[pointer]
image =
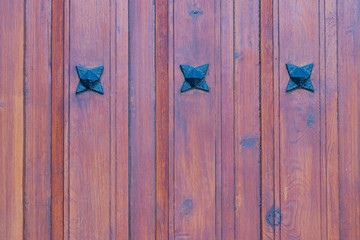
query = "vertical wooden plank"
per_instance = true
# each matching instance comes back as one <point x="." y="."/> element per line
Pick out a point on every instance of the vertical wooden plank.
<point x="11" y="118"/>
<point x="121" y="114"/>
<point x="299" y="123"/>
<point x="89" y="119"/>
<point x="37" y="179"/>
<point x="57" y="120"/>
<point x="331" y="115"/>
<point x="349" y="116"/>
<point x="247" y="120"/>
<point x="142" y="119"/>
<point x="267" y="117"/>
<point x="194" y="126"/>
<point x="227" y="119"/>
<point x="162" y="120"/>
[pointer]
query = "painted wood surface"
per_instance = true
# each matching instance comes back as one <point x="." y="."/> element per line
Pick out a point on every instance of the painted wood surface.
<point x="144" y="161"/>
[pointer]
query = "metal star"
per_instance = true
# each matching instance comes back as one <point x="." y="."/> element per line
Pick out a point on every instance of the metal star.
<point x="194" y="77"/>
<point x="299" y="77"/>
<point x="89" y="79"/>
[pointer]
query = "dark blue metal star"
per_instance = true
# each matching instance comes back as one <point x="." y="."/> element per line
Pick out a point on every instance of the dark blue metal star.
<point x="194" y="77"/>
<point x="299" y="77"/>
<point x="89" y="79"/>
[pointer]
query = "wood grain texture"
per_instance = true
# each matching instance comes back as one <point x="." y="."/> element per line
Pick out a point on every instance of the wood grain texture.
<point x="37" y="169"/>
<point x="331" y="120"/>
<point x="349" y="116"/>
<point x="11" y="119"/>
<point x="142" y="119"/>
<point x="57" y="120"/>
<point x="299" y="123"/>
<point x="227" y="121"/>
<point x="247" y="120"/>
<point x="194" y="126"/>
<point x="120" y="110"/>
<point x="162" y="120"/>
<point x="89" y="123"/>
<point x="267" y="117"/>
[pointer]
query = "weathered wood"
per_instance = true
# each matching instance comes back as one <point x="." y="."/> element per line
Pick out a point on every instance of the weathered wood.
<point x="194" y="122"/>
<point x="11" y="119"/>
<point x="120" y="119"/>
<point x="247" y="120"/>
<point x="142" y="119"/>
<point x="267" y="117"/>
<point x="349" y="117"/>
<point x="89" y="123"/>
<point x="299" y="123"/>
<point x="227" y="121"/>
<point x="57" y="120"/>
<point x="162" y="120"/>
<point x="37" y="169"/>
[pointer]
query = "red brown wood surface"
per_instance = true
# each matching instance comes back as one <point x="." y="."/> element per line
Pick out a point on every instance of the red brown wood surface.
<point x="349" y="116"/>
<point x="267" y="117"/>
<point x="162" y="120"/>
<point x="120" y="110"/>
<point x="89" y="123"/>
<point x="37" y="169"/>
<point x="227" y="121"/>
<point x="299" y="123"/>
<point x="247" y="120"/>
<point x="57" y="120"/>
<point x="331" y="120"/>
<point x="11" y="119"/>
<point x="194" y="125"/>
<point x="142" y="119"/>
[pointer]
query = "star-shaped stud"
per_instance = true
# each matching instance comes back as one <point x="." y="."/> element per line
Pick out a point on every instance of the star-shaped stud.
<point x="89" y="79"/>
<point x="299" y="77"/>
<point x="194" y="77"/>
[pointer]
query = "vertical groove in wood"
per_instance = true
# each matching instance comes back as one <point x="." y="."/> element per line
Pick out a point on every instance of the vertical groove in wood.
<point x="276" y="99"/>
<point x="121" y="114"/>
<point x="267" y="116"/>
<point x="218" y="117"/>
<point x="322" y="114"/>
<point x="247" y="120"/>
<point x="227" y="119"/>
<point x="11" y="119"/>
<point x="162" y="120"/>
<point x="300" y="123"/>
<point x="171" y="138"/>
<point x="331" y="120"/>
<point x="349" y="117"/>
<point x="57" y="120"/>
<point x="37" y="182"/>
<point x="142" y="119"/>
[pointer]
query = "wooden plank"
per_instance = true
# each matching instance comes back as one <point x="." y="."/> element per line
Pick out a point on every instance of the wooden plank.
<point x="227" y="119"/>
<point x="267" y="117"/>
<point x="247" y="120"/>
<point x="142" y="119"/>
<point x="120" y="109"/>
<point x="349" y="116"/>
<point x="11" y="118"/>
<point x="89" y="119"/>
<point x="37" y="178"/>
<point x="57" y="120"/>
<point x="331" y="120"/>
<point x="194" y="126"/>
<point x="299" y="123"/>
<point x="162" y="120"/>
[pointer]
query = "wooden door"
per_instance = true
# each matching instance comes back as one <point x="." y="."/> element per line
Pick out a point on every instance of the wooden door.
<point x="245" y="160"/>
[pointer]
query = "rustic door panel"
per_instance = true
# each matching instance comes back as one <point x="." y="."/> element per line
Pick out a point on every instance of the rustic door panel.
<point x="246" y="160"/>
